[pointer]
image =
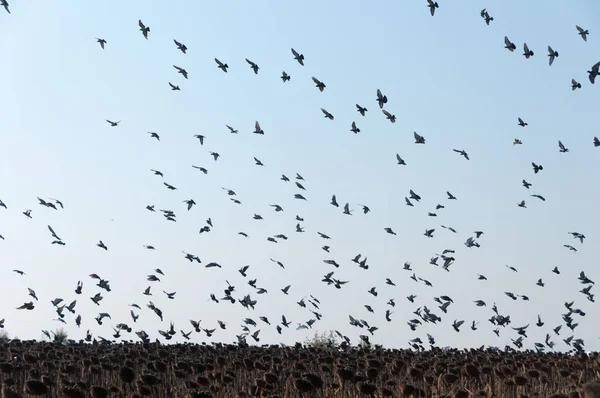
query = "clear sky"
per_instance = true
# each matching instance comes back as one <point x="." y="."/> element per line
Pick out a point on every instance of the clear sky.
<point x="448" y="77"/>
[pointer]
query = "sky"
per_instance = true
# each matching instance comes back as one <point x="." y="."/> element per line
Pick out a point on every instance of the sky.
<point x="447" y="77"/>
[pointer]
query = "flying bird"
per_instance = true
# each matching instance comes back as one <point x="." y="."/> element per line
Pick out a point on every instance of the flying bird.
<point x="510" y="46"/>
<point x="432" y="6"/>
<point x="180" y="46"/>
<point x="594" y="72"/>
<point x="221" y="65"/>
<point x="253" y="66"/>
<point x="327" y="114"/>
<point x="181" y="70"/>
<point x="298" y="57"/>
<point x="552" y="55"/>
<point x="285" y="77"/>
<point x="582" y="32"/>
<point x="144" y="29"/>
<point x="527" y="52"/>
<point x="101" y="41"/>
<point x="319" y="84"/>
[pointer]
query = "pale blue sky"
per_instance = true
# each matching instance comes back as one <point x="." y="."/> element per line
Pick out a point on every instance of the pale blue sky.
<point x="447" y="77"/>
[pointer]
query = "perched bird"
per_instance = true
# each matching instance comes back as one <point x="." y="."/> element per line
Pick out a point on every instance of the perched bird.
<point x="143" y="29"/>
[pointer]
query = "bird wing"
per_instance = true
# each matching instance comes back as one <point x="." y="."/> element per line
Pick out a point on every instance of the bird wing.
<point x="257" y="126"/>
<point x="525" y="47"/>
<point x="295" y="53"/>
<point x="506" y="41"/>
<point x="579" y="28"/>
<point x="141" y="24"/>
<point x="218" y="62"/>
<point x="560" y="145"/>
<point x="386" y="113"/>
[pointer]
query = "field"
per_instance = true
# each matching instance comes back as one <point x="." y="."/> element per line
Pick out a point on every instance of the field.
<point x="133" y="370"/>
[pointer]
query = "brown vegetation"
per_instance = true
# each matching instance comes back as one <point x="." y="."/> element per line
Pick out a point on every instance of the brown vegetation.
<point x="101" y="370"/>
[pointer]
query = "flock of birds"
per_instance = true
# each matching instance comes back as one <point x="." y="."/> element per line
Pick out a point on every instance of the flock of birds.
<point x="250" y="326"/>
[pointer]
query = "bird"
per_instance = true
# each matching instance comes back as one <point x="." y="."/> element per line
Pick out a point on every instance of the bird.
<point x="527" y="52"/>
<point x="154" y="135"/>
<point x="327" y="114"/>
<point x="389" y="116"/>
<point x="510" y="46"/>
<point x="594" y="72"/>
<point x="432" y="6"/>
<point x="419" y="139"/>
<point x="253" y="66"/>
<point x="562" y="148"/>
<point x="354" y="129"/>
<point x="257" y="129"/>
<point x="298" y="57"/>
<point x="575" y="85"/>
<point x="319" y="84"/>
<point x="521" y="122"/>
<point x="181" y="71"/>
<point x="143" y="29"/>
<point x="285" y="77"/>
<point x="537" y="168"/>
<point x="400" y="160"/>
<point x="113" y="124"/>
<point x="200" y="138"/>
<point x="486" y="16"/>
<point x="552" y="55"/>
<point x="582" y="32"/>
<point x="596" y="142"/>
<point x="381" y="100"/>
<point x="221" y="65"/>
<point x="101" y="41"/>
<point x="180" y="46"/>
<point x="462" y="153"/>
<point x="174" y="87"/>
<point x="362" y="110"/>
